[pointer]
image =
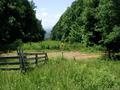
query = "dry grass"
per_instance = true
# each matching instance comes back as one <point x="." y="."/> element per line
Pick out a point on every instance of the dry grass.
<point x="72" y="55"/>
<point x="66" y="54"/>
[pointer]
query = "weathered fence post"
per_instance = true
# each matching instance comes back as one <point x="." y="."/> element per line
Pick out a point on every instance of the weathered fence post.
<point x="46" y="57"/>
<point x="62" y="55"/>
<point x="21" y="59"/>
<point x="74" y="58"/>
<point x="36" y="59"/>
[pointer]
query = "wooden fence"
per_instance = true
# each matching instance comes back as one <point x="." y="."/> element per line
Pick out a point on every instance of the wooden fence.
<point x="22" y="60"/>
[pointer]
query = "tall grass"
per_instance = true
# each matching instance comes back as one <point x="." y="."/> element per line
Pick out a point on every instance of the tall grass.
<point x="62" y="74"/>
<point x="56" y="45"/>
<point x="45" y="45"/>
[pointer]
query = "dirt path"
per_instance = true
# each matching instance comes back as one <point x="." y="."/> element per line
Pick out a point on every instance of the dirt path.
<point x="73" y="55"/>
<point x="69" y="55"/>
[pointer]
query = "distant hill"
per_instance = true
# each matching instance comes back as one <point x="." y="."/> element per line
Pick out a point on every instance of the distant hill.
<point x="48" y="34"/>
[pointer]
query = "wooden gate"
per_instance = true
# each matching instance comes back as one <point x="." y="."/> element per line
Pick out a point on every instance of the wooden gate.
<point x="21" y="60"/>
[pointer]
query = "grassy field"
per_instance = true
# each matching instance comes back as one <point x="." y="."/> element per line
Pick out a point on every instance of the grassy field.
<point x="62" y="74"/>
<point x="65" y="74"/>
<point x="56" y="45"/>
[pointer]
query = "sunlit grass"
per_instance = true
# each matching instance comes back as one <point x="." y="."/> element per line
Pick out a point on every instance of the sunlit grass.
<point x="62" y="74"/>
<point x="55" y="45"/>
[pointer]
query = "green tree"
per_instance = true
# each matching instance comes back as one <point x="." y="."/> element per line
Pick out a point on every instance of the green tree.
<point x="18" y="21"/>
<point x="108" y="15"/>
<point x="91" y="22"/>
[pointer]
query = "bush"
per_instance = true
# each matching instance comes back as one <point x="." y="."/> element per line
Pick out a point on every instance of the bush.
<point x="12" y="46"/>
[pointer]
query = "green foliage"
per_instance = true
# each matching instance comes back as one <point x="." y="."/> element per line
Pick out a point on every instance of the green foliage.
<point x="44" y="45"/>
<point x="15" y="45"/>
<point x="91" y="22"/>
<point x="77" y="23"/>
<point x="18" y="21"/>
<point x="56" y="46"/>
<point x="11" y="46"/>
<point x="108" y="24"/>
<point x="65" y="75"/>
<point x="112" y="42"/>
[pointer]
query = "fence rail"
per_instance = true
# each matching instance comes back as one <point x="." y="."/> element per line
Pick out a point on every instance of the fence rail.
<point x="9" y="68"/>
<point x="9" y="57"/>
<point x="22" y="60"/>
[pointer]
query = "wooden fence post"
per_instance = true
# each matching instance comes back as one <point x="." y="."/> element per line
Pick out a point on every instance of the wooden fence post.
<point x="46" y="57"/>
<point x="62" y="55"/>
<point x="36" y="59"/>
<point x="21" y="60"/>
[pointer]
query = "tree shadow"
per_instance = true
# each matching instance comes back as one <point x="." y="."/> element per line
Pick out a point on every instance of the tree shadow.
<point x="112" y="57"/>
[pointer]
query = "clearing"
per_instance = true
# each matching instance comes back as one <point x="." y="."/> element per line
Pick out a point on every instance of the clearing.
<point x="72" y="55"/>
<point x="66" y="54"/>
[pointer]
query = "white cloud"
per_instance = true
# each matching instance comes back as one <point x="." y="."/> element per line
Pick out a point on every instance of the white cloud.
<point x="44" y="14"/>
<point x="48" y="19"/>
<point x="43" y="9"/>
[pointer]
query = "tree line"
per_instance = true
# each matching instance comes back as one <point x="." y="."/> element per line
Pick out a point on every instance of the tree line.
<point x="91" y="22"/>
<point x="18" y="21"/>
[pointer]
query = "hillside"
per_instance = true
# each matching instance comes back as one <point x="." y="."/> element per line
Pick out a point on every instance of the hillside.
<point x="47" y="34"/>
<point x="90" y="22"/>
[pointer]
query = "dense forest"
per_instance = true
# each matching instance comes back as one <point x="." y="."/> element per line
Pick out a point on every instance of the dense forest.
<point x="18" y="22"/>
<point x="91" y="22"/>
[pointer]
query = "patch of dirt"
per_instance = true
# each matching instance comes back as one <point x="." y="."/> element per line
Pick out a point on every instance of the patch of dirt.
<point x="69" y="55"/>
<point x="72" y="55"/>
<point x="9" y="54"/>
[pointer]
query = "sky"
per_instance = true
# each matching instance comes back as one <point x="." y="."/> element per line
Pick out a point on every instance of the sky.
<point x="49" y="11"/>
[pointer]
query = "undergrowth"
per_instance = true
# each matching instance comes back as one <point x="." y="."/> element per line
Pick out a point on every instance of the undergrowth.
<point x="56" y="45"/>
<point x="62" y="74"/>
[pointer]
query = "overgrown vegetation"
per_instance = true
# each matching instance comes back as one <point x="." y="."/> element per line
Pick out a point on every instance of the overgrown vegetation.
<point x="11" y="46"/>
<point x="65" y="74"/>
<point x="18" y="21"/>
<point x="56" y="45"/>
<point x="91" y="22"/>
<point x="88" y="26"/>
